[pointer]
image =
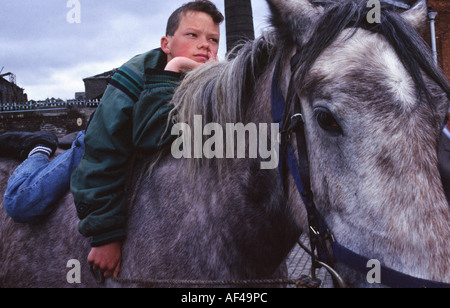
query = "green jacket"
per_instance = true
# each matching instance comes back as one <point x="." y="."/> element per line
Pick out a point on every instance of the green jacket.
<point x="132" y="115"/>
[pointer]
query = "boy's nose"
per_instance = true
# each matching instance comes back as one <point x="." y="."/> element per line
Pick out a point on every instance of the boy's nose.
<point x="203" y="44"/>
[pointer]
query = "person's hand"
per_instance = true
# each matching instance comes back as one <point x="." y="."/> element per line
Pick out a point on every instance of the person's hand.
<point x="212" y="57"/>
<point x="106" y="259"/>
<point x="184" y="64"/>
<point x="181" y="65"/>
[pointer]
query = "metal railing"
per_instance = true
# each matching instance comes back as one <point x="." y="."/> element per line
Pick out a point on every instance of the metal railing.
<point x="49" y="105"/>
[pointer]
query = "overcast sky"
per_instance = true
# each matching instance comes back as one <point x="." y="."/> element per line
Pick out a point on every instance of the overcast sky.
<point x="51" y="56"/>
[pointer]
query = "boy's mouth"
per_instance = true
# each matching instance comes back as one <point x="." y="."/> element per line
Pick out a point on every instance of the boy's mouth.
<point x="201" y="58"/>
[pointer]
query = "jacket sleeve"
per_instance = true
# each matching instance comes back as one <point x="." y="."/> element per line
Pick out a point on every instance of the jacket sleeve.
<point x="119" y="126"/>
<point x="151" y="126"/>
<point x="98" y="183"/>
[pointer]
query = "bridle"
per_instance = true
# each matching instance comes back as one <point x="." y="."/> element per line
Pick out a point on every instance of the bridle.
<point x="325" y="250"/>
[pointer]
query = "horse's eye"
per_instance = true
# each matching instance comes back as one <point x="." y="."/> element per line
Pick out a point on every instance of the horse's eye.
<point x="327" y="121"/>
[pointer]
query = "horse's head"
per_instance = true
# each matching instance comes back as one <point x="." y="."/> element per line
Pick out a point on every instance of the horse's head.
<point x="373" y="105"/>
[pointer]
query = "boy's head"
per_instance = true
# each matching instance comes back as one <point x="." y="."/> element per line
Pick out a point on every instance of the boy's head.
<point x="204" y="6"/>
<point x="193" y="31"/>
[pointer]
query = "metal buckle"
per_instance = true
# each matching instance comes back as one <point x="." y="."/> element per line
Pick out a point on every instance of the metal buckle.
<point x="298" y="115"/>
<point x="297" y="121"/>
<point x="317" y="233"/>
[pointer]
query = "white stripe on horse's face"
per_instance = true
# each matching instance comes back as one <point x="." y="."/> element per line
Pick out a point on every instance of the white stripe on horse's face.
<point x="345" y="56"/>
<point x="400" y="82"/>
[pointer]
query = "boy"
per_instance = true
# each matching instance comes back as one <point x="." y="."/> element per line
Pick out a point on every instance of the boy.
<point x="132" y="116"/>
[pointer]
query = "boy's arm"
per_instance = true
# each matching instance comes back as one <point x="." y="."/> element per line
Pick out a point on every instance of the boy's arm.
<point x="150" y="114"/>
<point x="99" y="181"/>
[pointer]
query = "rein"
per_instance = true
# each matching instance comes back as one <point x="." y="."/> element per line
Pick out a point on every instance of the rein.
<point x="319" y="234"/>
<point x="321" y="237"/>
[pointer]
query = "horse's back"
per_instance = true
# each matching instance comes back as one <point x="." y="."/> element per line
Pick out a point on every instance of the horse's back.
<point x="177" y="228"/>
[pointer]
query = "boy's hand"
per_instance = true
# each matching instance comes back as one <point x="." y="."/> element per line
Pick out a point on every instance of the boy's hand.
<point x="212" y="57"/>
<point x="184" y="65"/>
<point x="106" y="258"/>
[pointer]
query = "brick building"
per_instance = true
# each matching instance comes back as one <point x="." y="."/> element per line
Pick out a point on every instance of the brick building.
<point x="442" y="25"/>
<point x="10" y="92"/>
<point x="96" y="85"/>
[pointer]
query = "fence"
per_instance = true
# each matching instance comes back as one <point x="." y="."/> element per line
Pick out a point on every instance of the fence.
<point x="47" y="105"/>
<point x="59" y="116"/>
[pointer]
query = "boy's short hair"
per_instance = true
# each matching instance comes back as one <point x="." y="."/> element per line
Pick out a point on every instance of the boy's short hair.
<point x="204" y="6"/>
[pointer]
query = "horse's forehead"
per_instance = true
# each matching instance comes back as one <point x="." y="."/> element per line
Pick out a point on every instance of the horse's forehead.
<point x="364" y="59"/>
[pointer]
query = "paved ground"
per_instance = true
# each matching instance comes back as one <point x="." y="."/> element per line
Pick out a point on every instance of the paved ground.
<point x="299" y="263"/>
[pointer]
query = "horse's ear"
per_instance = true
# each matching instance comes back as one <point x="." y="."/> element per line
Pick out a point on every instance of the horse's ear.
<point x="417" y="15"/>
<point x="294" y="19"/>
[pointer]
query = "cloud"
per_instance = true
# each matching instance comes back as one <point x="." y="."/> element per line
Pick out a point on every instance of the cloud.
<point x="51" y="56"/>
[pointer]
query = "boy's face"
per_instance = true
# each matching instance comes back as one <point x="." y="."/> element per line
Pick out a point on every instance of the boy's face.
<point x="196" y="36"/>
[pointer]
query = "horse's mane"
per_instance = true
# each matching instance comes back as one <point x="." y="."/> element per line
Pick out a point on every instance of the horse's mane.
<point x="412" y="50"/>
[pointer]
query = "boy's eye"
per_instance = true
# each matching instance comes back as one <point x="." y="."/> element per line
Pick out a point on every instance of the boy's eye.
<point x="192" y="34"/>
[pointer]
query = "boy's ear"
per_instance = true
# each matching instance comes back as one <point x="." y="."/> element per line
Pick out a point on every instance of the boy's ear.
<point x="165" y="45"/>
